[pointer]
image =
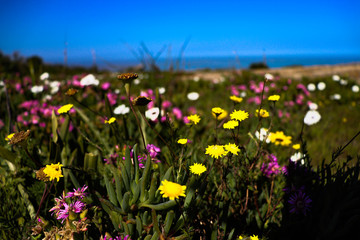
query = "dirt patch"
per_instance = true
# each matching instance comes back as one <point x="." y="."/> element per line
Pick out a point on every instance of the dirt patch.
<point x="350" y="71"/>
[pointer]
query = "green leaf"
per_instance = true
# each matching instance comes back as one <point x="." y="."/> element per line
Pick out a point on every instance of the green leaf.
<point x="54" y="126"/>
<point x="139" y="226"/>
<point x="125" y="202"/>
<point x="160" y="206"/>
<point x="8" y="155"/>
<point x="168" y="221"/>
<point x="73" y="179"/>
<point x="110" y="191"/>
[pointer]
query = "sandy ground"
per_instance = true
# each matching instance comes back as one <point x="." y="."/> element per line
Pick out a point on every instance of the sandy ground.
<point x="349" y="71"/>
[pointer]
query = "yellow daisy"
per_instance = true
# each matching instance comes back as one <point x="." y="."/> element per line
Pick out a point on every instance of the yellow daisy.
<point x="182" y="141"/>
<point x="296" y="146"/>
<point x="279" y="138"/>
<point x="172" y="190"/>
<point x="263" y="113"/>
<point x="231" y="124"/>
<point x="110" y="121"/>
<point x="239" y="115"/>
<point x="53" y="171"/>
<point x="194" y="118"/>
<point x="231" y="147"/>
<point x="274" y="98"/>
<point x="236" y="99"/>
<point x="9" y="137"/>
<point x="66" y="108"/>
<point x="219" y="113"/>
<point x="197" y="168"/>
<point x="215" y="151"/>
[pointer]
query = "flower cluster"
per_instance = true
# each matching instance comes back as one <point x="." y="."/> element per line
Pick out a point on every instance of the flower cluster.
<point x="63" y="209"/>
<point x="217" y="151"/>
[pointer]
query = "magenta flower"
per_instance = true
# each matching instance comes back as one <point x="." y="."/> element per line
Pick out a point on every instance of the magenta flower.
<point x="77" y="206"/>
<point x="79" y="193"/>
<point x="271" y="168"/>
<point x="177" y="112"/>
<point x="63" y="213"/>
<point x="153" y="150"/>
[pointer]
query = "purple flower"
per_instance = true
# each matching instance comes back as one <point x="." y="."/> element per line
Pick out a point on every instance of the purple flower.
<point x="153" y="150"/>
<point x="78" y="193"/>
<point x="77" y="206"/>
<point x="271" y="168"/>
<point x="127" y="237"/>
<point x="299" y="203"/>
<point x="63" y="213"/>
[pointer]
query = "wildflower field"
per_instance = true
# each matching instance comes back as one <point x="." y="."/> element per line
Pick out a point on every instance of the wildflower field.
<point x="162" y="155"/>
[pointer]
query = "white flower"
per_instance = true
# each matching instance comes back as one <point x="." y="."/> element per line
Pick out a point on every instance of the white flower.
<point x="196" y="78"/>
<point x="47" y="97"/>
<point x="336" y="96"/>
<point x="243" y="94"/>
<point x="193" y="96"/>
<point x="117" y="91"/>
<point x="311" y="87"/>
<point x="343" y="82"/>
<point x="312" y="117"/>
<point x="355" y="88"/>
<point x="336" y="78"/>
<point x="121" y="109"/>
<point x="37" y="89"/>
<point x="44" y="76"/>
<point x="54" y="85"/>
<point x="152" y="113"/>
<point x="321" y="86"/>
<point x="268" y="76"/>
<point x="162" y="90"/>
<point x="297" y="156"/>
<point x="137" y="81"/>
<point x="89" y="80"/>
<point x="313" y="106"/>
<point x="262" y="135"/>
<point x="2" y="83"/>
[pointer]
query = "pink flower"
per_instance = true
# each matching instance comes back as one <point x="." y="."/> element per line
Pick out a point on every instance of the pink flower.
<point x="112" y="98"/>
<point x="105" y="86"/>
<point x="166" y="104"/>
<point x="177" y="112"/>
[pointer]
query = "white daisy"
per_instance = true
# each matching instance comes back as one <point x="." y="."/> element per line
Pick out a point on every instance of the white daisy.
<point x="193" y="96"/>
<point x="37" y="89"/>
<point x="262" y="135"/>
<point x="312" y="117"/>
<point x="152" y="113"/>
<point x="336" y="78"/>
<point x="89" y="80"/>
<point x="321" y="86"/>
<point x="311" y="87"/>
<point x="44" y="76"/>
<point x="355" y="88"/>
<point x="121" y="109"/>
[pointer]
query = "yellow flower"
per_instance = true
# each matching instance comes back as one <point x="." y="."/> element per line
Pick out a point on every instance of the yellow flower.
<point x="194" y="118"/>
<point x="231" y="124"/>
<point x="279" y="138"/>
<point x="53" y="171"/>
<point x="9" y="137"/>
<point x="239" y="115"/>
<point x="182" y="141"/>
<point x="215" y="151"/>
<point x="231" y="147"/>
<point x="110" y="121"/>
<point x="240" y="238"/>
<point x="263" y="113"/>
<point x="66" y="108"/>
<point x="236" y="99"/>
<point x="254" y="237"/>
<point x="296" y="146"/>
<point x="219" y="113"/>
<point x="197" y="168"/>
<point x="172" y="190"/>
<point x="274" y="98"/>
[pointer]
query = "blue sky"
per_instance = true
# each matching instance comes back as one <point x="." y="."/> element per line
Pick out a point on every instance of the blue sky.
<point x="215" y="28"/>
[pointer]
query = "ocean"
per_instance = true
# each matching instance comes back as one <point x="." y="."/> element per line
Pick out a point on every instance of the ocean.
<point x="231" y="62"/>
